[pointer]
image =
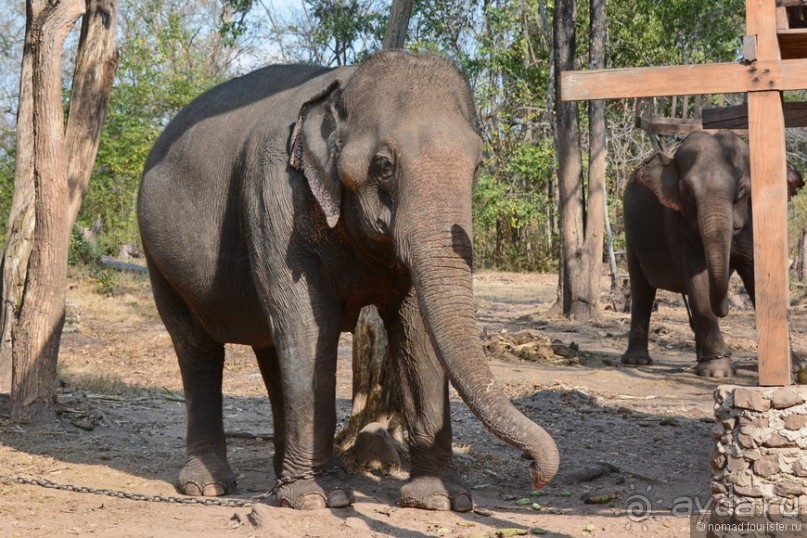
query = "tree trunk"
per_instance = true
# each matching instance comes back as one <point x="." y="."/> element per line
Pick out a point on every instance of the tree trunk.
<point x="373" y="399"/>
<point x="96" y="62"/>
<point x="595" y="222"/>
<point x="373" y="402"/>
<point x="19" y="235"/>
<point x="575" y="260"/>
<point x="35" y="259"/>
<point x="398" y="24"/>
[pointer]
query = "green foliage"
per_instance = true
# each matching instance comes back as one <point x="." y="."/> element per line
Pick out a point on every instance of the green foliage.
<point x="86" y="256"/>
<point x="513" y="222"/>
<point x="649" y="32"/>
<point x="163" y="65"/>
<point x="106" y="282"/>
<point x="446" y="26"/>
<point x="6" y="190"/>
<point x="233" y="23"/>
<point x="82" y="252"/>
<point x="348" y="29"/>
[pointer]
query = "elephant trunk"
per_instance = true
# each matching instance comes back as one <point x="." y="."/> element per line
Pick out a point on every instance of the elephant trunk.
<point x="716" y="234"/>
<point x="440" y="256"/>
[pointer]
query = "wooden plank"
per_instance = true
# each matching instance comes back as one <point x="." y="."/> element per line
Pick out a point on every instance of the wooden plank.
<point x="736" y="117"/>
<point x="760" y="20"/>
<point x="683" y="80"/>
<point x="769" y="195"/>
<point x="668" y="126"/>
<point x="793" y="43"/>
<point x="781" y="18"/>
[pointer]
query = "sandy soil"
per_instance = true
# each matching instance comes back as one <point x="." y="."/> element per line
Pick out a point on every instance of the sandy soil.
<point x="630" y="438"/>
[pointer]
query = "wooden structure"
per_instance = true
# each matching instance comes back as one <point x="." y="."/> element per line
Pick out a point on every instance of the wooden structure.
<point x="775" y="50"/>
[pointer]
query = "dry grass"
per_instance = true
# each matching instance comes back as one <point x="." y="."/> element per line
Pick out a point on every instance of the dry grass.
<point x="97" y="383"/>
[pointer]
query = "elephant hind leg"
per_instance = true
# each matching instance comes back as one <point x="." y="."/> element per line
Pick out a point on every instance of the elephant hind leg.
<point x="270" y="371"/>
<point x="201" y="363"/>
<point x="641" y="306"/>
<point x="207" y="471"/>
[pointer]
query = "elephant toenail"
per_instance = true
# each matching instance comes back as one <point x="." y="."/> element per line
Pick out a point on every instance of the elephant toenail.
<point x="191" y="488"/>
<point x="339" y="498"/>
<point x="438" y="502"/>
<point x="214" y="489"/>
<point x="462" y="503"/>
<point x="312" y="501"/>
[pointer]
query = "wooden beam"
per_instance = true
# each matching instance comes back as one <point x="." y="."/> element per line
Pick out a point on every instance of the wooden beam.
<point x="791" y="3"/>
<point x="736" y="117"/>
<point x="769" y="195"/>
<point x="793" y="43"/>
<point x="668" y="126"/>
<point x="760" y="20"/>
<point x="762" y="75"/>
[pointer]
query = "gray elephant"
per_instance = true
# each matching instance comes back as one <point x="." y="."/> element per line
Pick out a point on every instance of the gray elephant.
<point x="688" y="228"/>
<point x="277" y="205"/>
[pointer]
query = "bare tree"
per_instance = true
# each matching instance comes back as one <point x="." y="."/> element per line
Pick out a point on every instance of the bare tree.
<point x="597" y="207"/>
<point x="398" y="24"/>
<point x="581" y="227"/>
<point x="53" y="165"/>
<point x="573" y="270"/>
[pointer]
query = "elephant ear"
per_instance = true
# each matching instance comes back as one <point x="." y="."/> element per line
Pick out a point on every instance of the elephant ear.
<point x="794" y="181"/>
<point x="315" y="148"/>
<point x="660" y="176"/>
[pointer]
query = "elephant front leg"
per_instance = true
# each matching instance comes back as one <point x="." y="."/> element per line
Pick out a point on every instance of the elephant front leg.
<point x="712" y="352"/>
<point x="309" y="474"/>
<point x="641" y="305"/>
<point x="434" y="482"/>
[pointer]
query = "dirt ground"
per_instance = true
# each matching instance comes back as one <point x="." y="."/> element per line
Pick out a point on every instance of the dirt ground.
<point x="632" y="440"/>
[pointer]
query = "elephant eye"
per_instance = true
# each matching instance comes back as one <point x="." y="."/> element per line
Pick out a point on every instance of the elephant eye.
<point x="382" y="169"/>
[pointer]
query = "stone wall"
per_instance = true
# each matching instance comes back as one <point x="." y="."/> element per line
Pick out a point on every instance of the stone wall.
<point x="759" y="465"/>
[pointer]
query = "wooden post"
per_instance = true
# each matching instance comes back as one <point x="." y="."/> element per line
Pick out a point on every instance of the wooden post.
<point x="766" y="127"/>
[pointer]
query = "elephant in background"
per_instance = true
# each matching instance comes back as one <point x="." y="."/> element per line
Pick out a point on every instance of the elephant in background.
<point x="688" y="227"/>
<point x="277" y="205"/>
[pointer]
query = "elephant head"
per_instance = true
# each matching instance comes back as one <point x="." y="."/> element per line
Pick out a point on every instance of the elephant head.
<point x="393" y="151"/>
<point x="708" y="183"/>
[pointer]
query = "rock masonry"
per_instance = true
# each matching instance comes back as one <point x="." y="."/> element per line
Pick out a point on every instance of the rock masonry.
<point x="759" y="464"/>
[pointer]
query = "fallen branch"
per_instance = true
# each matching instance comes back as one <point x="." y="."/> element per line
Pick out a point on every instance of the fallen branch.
<point x="106" y="261"/>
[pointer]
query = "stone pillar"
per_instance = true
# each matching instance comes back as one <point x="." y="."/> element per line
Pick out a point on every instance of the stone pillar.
<point x="759" y="465"/>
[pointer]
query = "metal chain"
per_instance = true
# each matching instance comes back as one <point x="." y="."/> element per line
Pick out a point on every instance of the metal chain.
<point x="725" y="355"/>
<point x="230" y="503"/>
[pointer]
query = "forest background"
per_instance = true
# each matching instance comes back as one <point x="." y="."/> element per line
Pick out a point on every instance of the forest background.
<point x="173" y="50"/>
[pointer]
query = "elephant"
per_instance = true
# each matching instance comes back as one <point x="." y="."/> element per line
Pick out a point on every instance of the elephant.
<point x="688" y="227"/>
<point x="278" y="204"/>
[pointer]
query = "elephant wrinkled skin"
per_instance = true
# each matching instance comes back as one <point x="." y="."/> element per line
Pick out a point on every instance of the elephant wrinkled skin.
<point x="272" y="209"/>
<point x="688" y="228"/>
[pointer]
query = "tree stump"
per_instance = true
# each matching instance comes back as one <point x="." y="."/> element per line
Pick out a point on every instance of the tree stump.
<point x="376" y="422"/>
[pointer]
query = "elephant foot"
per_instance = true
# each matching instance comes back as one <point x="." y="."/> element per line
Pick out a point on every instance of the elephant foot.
<point x="207" y="475"/>
<point x="436" y="493"/>
<point x="315" y="493"/>
<point x="636" y="358"/>
<point x="717" y="367"/>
